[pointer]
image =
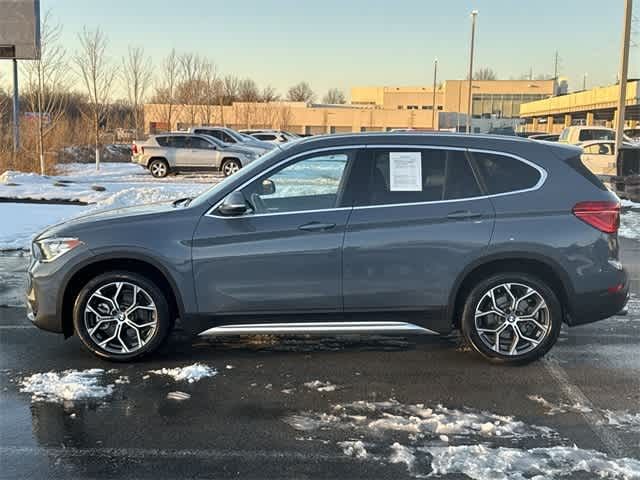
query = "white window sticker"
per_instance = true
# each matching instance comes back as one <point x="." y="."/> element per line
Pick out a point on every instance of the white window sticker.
<point x="405" y="172"/>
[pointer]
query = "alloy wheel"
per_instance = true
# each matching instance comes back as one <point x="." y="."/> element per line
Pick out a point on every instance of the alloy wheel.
<point x="158" y="169"/>
<point x="120" y="317"/>
<point x="230" y="168"/>
<point x="512" y="319"/>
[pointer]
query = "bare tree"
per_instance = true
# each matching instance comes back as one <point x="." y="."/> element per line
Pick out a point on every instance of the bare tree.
<point x="301" y="92"/>
<point x="191" y="85"/>
<point x="47" y="81"/>
<point x="269" y="94"/>
<point x="334" y="96"/>
<point x="231" y="85"/>
<point x="484" y="73"/>
<point x="210" y="90"/>
<point x="165" y="91"/>
<point x="97" y="74"/>
<point x="136" y="76"/>
<point x="248" y="91"/>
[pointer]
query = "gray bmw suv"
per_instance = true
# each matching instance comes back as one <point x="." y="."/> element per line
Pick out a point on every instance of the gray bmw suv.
<point x="502" y="238"/>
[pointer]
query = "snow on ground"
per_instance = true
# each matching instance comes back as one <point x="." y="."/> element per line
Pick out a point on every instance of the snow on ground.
<point x="561" y="407"/>
<point x="124" y="185"/>
<point x="321" y="386"/>
<point x="191" y="373"/>
<point x="440" y="441"/>
<point x="630" y="224"/>
<point x="69" y="385"/>
<point x="21" y="221"/>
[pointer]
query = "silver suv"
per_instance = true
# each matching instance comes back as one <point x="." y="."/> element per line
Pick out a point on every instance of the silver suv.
<point x="173" y="152"/>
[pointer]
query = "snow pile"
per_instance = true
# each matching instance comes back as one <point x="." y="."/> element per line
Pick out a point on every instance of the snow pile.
<point x="561" y="407"/>
<point x="630" y="224"/>
<point x="321" y="386"/>
<point x="622" y="420"/>
<point x="178" y="396"/>
<point x="355" y="449"/>
<point x="192" y="373"/>
<point x="444" y="441"/>
<point x="483" y="463"/>
<point x="69" y="385"/>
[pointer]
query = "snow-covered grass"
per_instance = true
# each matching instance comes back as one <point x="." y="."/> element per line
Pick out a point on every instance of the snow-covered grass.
<point x="125" y="184"/>
<point x="69" y="385"/>
<point x="444" y="441"/>
<point x="191" y="373"/>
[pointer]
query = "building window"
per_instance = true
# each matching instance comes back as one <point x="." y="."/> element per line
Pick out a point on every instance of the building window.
<point x="400" y="107"/>
<point x="412" y="107"/>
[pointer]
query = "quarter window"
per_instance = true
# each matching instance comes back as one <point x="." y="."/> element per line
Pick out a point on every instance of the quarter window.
<point x="405" y="176"/>
<point x="313" y="183"/>
<point x="505" y="174"/>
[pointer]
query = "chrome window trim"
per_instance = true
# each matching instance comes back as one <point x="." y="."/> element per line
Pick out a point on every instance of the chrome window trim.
<point x="543" y="177"/>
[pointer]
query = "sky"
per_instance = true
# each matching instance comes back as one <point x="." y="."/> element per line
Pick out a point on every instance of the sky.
<point x="345" y="43"/>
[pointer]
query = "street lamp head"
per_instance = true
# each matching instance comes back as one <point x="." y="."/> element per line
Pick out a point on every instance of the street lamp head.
<point x="474" y="12"/>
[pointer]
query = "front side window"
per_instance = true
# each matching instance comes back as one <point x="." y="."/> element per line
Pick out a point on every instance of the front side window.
<point x="505" y="174"/>
<point x="428" y="175"/>
<point x="313" y="183"/>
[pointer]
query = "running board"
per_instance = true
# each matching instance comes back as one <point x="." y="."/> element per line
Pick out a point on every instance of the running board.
<point x="320" y="328"/>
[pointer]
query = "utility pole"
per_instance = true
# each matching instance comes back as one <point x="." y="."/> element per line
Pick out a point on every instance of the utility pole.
<point x="556" y="61"/>
<point x="584" y="81"/>
<point x="16" y="110"/>
<point x="435" y="79"/>
<point x="624" y="65"/>
<point x="474" y="15"/>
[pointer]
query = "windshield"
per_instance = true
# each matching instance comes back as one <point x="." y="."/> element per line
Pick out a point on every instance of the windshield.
<point x="249" y="170"/>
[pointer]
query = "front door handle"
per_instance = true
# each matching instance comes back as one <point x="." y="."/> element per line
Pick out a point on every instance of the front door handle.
<point x="315" y="226"/>
<point x="464" y="215"/>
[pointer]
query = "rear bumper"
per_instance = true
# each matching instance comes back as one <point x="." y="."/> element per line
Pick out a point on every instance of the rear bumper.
<point x="593" y="306"/>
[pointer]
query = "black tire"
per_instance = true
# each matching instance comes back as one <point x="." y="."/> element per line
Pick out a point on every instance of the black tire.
<point x="159" y="168"/>
<point x="553" y="319"/>
<point x="156" y="336"/>
<point x="230" y="166"/>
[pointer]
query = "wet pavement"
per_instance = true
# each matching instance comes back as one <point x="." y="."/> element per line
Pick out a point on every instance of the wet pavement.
<point x="257" y="419"/>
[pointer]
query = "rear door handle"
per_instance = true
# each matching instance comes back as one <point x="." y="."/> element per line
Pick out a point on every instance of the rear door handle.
<point x="315" y="226"/>
<point x="464" y="215"/>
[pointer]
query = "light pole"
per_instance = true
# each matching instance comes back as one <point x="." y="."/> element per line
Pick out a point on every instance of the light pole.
<point x="584" y="81"/>
<point x="474" y="15"/>
<point x="624" y="65"/>
<point x="433" y="109"/>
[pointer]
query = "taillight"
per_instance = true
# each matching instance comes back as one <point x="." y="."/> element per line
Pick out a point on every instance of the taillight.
<point x="134" y="148"/>
<point x="605" y="216"/>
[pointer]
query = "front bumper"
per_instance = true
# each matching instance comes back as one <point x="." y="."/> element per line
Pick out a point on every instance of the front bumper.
<point x="46" y="284"/>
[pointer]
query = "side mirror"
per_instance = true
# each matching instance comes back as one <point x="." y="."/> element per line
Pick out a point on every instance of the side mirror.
<point x="267" y="187"/>
<point x="234" y="204"/>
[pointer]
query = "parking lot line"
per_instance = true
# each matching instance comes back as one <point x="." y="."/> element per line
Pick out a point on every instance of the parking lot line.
<point x="596" y="422"/>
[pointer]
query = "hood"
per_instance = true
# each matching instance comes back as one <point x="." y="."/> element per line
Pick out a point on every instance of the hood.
<point x="70" y="227"/>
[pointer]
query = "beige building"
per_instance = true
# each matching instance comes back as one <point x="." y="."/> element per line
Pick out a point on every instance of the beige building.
<point x="371" y="109"/>
<point x="597" y="106"/>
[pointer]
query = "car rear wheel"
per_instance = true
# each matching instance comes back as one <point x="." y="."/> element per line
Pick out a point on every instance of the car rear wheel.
<point x="512" y="318"/>
<point x="121" y="316"/>
<point x="159" y="168"/>
<point x="230" y="166"/>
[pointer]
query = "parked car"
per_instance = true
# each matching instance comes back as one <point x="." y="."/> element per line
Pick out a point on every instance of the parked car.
<point x="547" y="137"/>
<point x="501" y="237"/>
<point x="577" y="134"/>
<point x="231" y="137"/>
<point x="626" y="182"/>
<point x="633" y="134"/>
<point x="271" y="136"/>
<point x="176" y="152"/>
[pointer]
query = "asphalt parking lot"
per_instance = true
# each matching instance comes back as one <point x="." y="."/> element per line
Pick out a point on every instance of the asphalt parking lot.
<point x="326" y="407"/>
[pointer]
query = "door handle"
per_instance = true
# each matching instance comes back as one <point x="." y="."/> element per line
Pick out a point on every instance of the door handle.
<point x="315" y="226"/>
<point x="464" y="215"/>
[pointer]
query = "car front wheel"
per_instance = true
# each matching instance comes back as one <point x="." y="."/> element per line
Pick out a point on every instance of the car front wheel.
<point x="512" y="318"/>
<point x="121" y="316"/>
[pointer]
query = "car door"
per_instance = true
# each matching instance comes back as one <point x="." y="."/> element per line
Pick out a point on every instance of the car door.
<point x="181" y="151"/>
<point x="418" y="221"/>
<point x="204" y="154"/>
<point x="285" y="254"/>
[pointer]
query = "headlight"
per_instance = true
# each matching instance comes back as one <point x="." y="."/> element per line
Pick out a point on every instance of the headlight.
<point x="48" y="249"/>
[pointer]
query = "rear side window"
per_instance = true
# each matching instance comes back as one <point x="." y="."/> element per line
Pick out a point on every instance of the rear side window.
<point x="503" y="174"/>
<point x="177" y="142"/>
<point x="403" y="176"/>
<point x="268" y="137"/>
<point x="586" y="135"/>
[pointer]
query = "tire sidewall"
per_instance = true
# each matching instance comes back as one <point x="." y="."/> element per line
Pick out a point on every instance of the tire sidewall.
<point x="159" y="161"/>
<point x="162" y="308"/>
<point x="468" y="317"/>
